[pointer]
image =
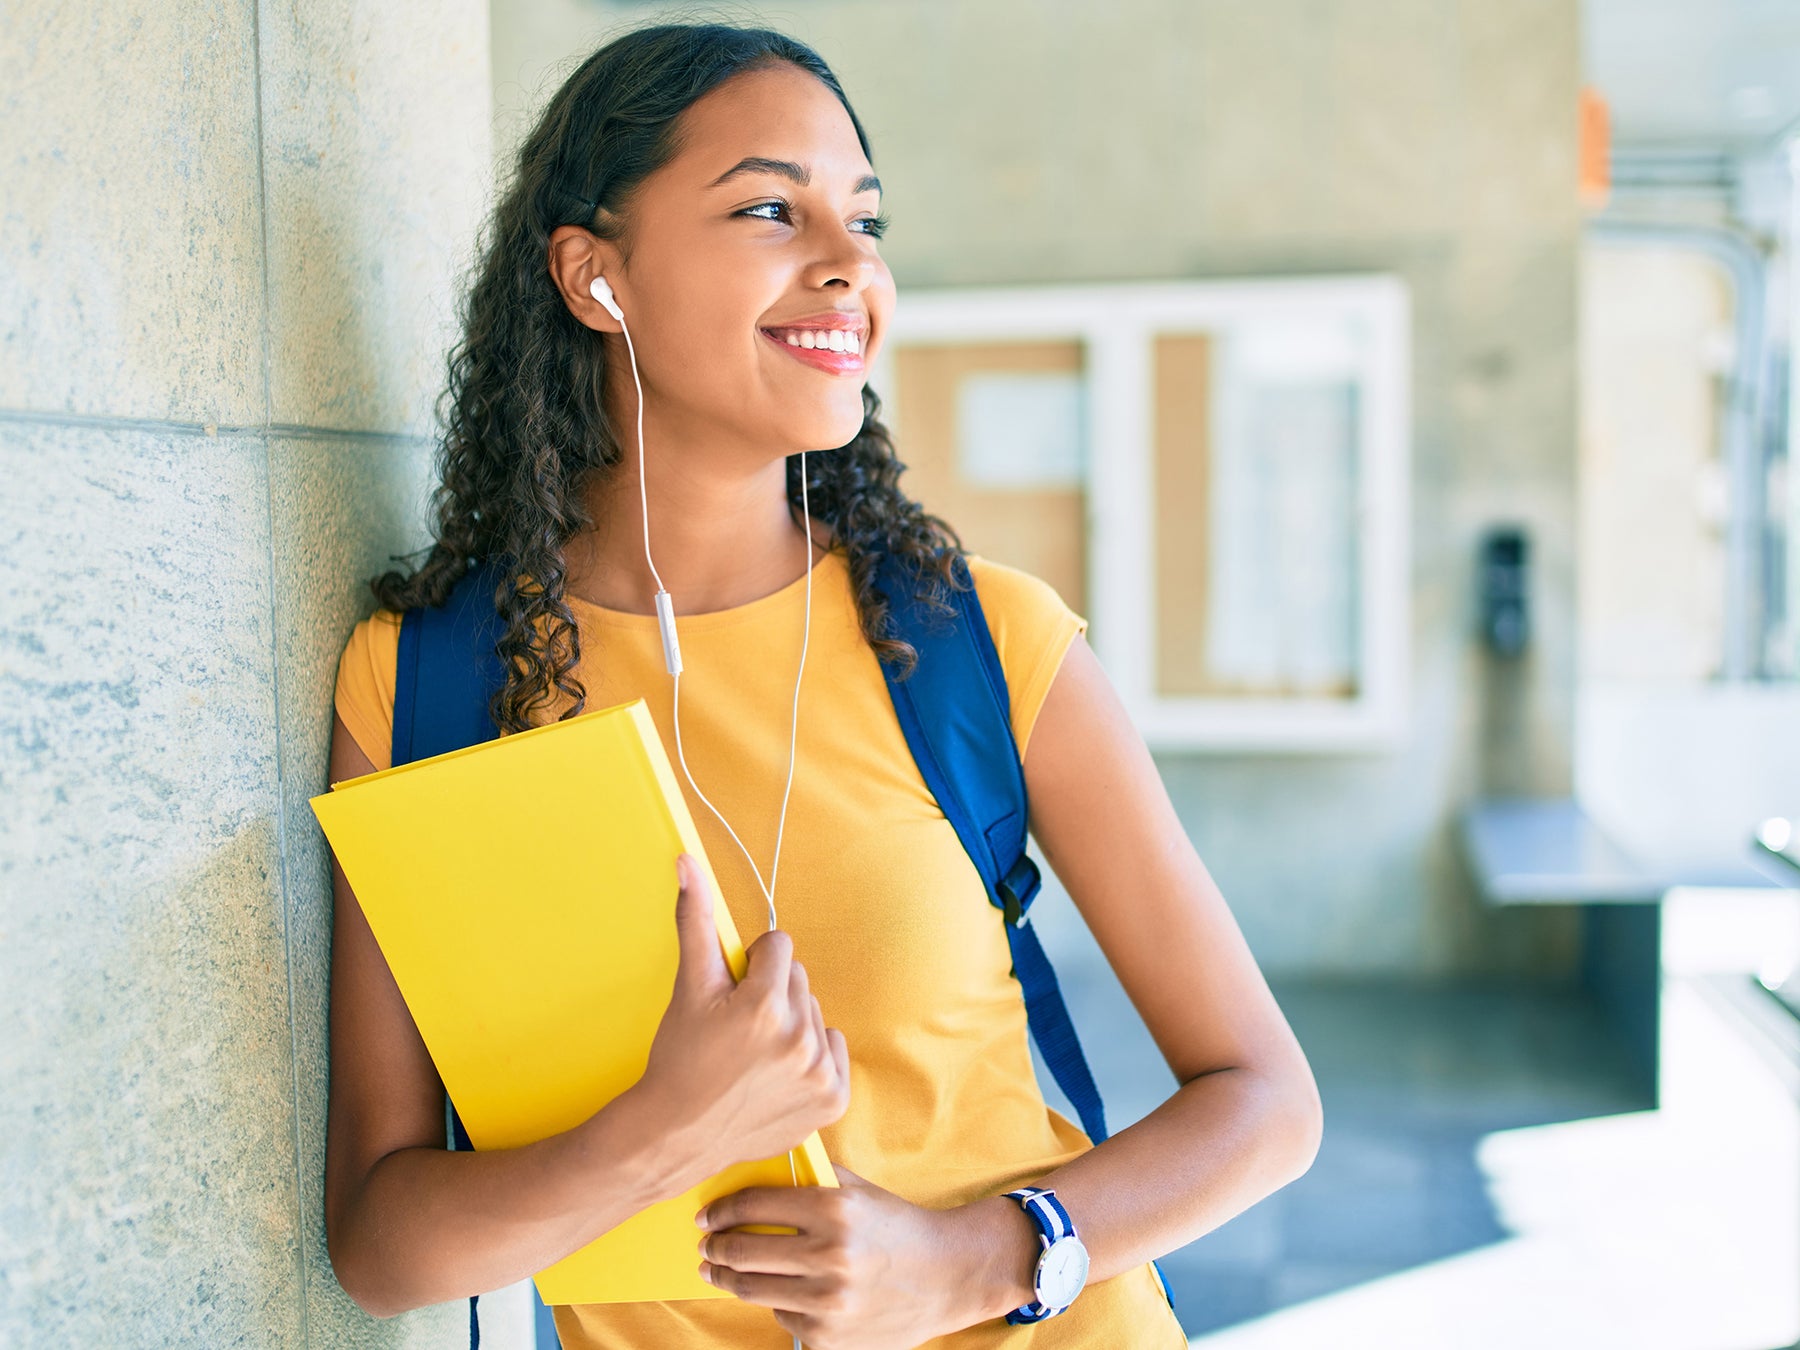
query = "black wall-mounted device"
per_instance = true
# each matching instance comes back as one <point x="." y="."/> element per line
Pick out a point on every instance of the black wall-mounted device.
<point x="1503" y="575"/>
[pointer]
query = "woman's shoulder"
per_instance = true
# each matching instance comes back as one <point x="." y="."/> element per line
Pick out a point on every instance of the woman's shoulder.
<point x="1033" y="628"/>
<point x="364" y="697"/>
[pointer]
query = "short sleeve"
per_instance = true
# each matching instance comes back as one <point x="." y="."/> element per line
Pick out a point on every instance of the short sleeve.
<point x="365" y="685"/>
<point x="1032" y="629"/>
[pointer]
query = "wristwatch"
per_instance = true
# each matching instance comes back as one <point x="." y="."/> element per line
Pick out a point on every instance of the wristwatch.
<point x="1062" y="1265"/>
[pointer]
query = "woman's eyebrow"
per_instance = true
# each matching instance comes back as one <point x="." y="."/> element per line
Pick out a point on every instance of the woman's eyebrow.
<point x="786" y="168"/>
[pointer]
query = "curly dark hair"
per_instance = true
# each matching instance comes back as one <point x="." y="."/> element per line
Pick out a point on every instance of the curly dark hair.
<point x="523" y="414"/>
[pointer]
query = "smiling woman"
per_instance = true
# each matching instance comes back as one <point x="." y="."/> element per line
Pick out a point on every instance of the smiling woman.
<point x="689" y="248"/>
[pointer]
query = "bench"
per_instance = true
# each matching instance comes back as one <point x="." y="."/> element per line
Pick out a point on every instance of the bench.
<point x="1531" y="851"/>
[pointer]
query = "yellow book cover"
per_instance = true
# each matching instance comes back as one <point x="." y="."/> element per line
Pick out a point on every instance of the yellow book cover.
<point x="523" y="892"/>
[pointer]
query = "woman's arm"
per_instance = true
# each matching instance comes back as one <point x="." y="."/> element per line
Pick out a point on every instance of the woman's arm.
<point x="1246" y="1119"/>
<point x="874" y="1270"/>
<point x="409" y="1223"/>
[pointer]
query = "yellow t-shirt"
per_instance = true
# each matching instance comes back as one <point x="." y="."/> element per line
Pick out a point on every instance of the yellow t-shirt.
<point x="901" y="946"/>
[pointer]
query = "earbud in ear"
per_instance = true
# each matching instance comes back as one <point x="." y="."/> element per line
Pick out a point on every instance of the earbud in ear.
<point x="603" y="293"/>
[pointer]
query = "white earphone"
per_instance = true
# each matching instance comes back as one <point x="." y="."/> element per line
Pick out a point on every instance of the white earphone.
<point x="665" y="622"/>
<point x="665" y="615"/>
<point x="603" y="293"/>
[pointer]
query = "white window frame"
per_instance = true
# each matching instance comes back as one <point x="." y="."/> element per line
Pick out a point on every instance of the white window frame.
<point x="1116" y="323"/>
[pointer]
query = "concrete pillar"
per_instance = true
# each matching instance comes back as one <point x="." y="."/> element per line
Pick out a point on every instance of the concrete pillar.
<point x="230" y="236"/>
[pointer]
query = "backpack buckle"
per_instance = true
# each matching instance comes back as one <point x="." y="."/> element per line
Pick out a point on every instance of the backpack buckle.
<point x="1009" y="905"/>
<point x="1017" y="888"/>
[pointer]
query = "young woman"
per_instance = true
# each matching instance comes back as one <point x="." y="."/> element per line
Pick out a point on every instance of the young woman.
<point x="717" y="180"/>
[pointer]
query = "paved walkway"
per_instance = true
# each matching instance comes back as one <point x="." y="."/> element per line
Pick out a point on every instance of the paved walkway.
<point x="1489" y="1179"/>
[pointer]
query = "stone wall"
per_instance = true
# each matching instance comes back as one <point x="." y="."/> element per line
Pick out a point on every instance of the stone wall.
<point x="229" y="239"/>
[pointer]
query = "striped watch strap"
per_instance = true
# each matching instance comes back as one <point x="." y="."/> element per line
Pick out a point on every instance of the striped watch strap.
<point x="1053" y="1222"/>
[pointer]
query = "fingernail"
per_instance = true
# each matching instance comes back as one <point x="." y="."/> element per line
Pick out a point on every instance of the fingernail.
<point x="706" y="1272"/>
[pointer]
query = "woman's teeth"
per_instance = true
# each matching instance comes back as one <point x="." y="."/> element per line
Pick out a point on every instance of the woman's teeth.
<point x="836" y="339"/>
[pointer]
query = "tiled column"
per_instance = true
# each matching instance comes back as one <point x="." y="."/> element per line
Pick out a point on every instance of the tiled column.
<point x="230" y="235"/>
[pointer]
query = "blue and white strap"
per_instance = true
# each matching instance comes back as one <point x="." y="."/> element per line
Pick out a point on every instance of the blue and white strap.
<point x="1053" y="1222"/>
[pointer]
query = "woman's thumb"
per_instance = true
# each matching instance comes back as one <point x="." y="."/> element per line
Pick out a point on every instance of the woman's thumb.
<point x="702" y="961"/>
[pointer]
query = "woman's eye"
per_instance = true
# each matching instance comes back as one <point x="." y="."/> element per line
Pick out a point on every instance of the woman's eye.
<point x="873" y="226"/>
<point x="780" y="207"/>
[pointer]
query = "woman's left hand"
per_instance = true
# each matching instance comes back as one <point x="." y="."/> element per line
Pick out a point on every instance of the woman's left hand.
<point x="867" y="1270"/>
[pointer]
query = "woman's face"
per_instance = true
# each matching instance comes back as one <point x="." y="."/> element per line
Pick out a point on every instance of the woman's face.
<point x="756" y="233"/>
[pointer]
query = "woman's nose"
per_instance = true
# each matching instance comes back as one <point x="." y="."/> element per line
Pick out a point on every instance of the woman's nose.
<point x="850" y="264"/>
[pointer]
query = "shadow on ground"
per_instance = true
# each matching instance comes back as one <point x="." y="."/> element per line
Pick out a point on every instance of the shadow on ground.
<point x="1412" y="1077"/>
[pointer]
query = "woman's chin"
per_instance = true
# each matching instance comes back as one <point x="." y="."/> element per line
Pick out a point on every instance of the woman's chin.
<point x="811" y="420"/>
<point x="826" y="433"/>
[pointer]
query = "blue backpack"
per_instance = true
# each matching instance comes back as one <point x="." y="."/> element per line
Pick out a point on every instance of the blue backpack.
<point x="954" y="710"/>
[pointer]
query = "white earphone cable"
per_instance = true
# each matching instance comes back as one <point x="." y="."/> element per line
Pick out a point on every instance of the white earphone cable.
<point x="768" y="889"/>
<point x="666" y="607"/>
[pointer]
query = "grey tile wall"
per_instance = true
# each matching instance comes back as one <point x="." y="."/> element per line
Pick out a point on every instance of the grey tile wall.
<point x="341" y="506"/>
<point x="131" y="228"/>
<point x="148" y="1177"/>
<point x="202" y="204"/>
<point x="372" y="118"/>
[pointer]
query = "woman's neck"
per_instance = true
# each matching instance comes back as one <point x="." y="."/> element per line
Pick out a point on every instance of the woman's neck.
<point x="719" y="541"/>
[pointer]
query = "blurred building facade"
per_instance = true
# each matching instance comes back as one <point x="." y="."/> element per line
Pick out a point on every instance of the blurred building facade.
<point x="1690" y="629"/>
<point x="1156" y="139"/>
<point x="231" y="241"/>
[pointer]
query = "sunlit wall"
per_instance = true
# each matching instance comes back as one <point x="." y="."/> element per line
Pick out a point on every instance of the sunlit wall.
<point x="227" y="246"/>
<point x="1148" y="139"/>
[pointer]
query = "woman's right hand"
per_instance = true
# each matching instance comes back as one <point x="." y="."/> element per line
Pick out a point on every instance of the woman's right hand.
<point x="746" y="1069"/>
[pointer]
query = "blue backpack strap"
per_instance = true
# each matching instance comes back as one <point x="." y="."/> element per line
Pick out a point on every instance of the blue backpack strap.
<point x="956" y="713"/>
<point x="447" y="670"/>
<point x="444" y="674"/>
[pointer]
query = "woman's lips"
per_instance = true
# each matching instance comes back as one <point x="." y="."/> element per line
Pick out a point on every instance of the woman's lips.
<point x="820" y="358"/>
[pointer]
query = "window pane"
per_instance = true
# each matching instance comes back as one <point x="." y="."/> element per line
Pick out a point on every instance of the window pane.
<point x="987" y="441"/>
<point x="1256" y="485"/>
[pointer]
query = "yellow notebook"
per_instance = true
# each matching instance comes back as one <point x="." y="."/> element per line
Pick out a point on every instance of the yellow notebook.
<point x="523" y="892"/>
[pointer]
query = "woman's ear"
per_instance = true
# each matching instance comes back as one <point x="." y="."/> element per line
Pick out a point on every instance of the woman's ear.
<point x="577" y="256"/>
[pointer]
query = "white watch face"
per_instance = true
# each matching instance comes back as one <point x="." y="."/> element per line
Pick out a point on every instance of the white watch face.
<point x="1062" y="1271"/>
